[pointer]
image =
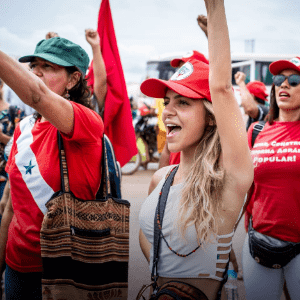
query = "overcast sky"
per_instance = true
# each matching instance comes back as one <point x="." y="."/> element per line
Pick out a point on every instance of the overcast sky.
<point x="146" y="28"/>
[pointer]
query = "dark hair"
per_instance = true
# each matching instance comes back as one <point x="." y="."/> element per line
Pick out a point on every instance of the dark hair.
<point x="80" y="93"/>
<point x="260" y="101"/>
<point x="274" y="109"/>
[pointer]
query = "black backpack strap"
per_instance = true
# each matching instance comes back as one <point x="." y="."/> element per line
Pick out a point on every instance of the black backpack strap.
<point x="257" y="128"/>
<point x="160" y="210"/>
<point x="104" y="191"/>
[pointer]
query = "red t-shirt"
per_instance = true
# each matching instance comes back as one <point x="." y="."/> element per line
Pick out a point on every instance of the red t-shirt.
<point x="174" y="158"/>
<point x="275" y="202"/>
<point x="34" y="174"/>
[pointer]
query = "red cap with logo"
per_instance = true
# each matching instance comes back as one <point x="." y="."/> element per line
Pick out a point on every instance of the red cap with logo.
<point x="190" y="81"/>
<point x="189" y="55"/>
<point x="258" y="89"/>
<point x="277" y="66"/>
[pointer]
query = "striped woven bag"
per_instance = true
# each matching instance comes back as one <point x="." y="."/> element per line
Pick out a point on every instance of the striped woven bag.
<point x="85" y="244"/>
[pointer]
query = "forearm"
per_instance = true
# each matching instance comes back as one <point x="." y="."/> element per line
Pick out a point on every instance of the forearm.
<point x="100" y="79"/>
<point x="22" y="81"/>
<point x="6" y="219"/>
<point x="218" y="45"/>
<point x="247" y="102"/>
<point x="230" y="122"/>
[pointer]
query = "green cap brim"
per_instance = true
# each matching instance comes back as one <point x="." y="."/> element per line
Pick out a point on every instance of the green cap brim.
<point x="46" y="56"/>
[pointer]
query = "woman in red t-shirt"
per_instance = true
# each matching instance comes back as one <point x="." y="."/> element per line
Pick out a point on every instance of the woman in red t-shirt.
<point x="57" y="90"/>
<point x="274" y="203"/>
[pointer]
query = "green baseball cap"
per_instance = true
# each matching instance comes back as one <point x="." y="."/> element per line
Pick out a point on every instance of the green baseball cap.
<point x="62" y="52"/>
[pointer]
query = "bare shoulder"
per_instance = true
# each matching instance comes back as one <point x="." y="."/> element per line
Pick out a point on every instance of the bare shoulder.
<point x="157" y="177"/>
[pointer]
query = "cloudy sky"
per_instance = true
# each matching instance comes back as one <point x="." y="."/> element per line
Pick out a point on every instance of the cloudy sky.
<point x="147" y="28"/>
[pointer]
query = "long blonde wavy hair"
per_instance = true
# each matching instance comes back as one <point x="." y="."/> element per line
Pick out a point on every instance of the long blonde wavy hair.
<point x="200" y="197"/>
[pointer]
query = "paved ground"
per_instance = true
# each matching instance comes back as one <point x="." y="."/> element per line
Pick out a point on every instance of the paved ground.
<point x="135" y="189"/>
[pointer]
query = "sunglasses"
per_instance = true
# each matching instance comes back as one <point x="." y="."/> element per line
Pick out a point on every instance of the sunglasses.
<point x="293" y="80"/>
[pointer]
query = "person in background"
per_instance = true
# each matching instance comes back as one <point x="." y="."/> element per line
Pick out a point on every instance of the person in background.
<point x="253" y="98"/>
<point x="10" y="115"/>
<point x="161" y="130"/>
<point x="274" y="198"/>
<point x="133" y="107"/>
<point x="13" y="100"/>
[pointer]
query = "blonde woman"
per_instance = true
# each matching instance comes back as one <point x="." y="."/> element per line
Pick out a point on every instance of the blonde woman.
<point x="204" y="123"/>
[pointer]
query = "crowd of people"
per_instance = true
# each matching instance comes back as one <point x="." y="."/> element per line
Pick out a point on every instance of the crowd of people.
<point x="213" y="167"/>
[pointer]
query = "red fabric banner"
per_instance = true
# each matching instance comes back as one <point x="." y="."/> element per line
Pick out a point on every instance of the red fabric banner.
<point x="117" y="113"/>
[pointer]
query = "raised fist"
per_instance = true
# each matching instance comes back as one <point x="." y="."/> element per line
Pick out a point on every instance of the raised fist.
<point x="239" y="77"/>
<point x="202" y="22"/>
<point x="92" y="37"/>
<point x="51" y="34"/>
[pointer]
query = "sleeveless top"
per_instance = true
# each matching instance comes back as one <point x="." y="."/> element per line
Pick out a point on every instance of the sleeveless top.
<point x="200" y="264"/>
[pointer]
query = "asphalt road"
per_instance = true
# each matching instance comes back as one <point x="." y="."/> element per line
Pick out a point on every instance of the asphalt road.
<point x="135" y="189"/>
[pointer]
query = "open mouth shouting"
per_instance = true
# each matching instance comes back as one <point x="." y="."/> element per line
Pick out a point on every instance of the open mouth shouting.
<point x="283" y="95"/>
<point x="172" y="129"/>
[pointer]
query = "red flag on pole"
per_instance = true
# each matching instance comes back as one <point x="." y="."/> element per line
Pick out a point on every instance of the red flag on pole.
<point x="117" y="113"/>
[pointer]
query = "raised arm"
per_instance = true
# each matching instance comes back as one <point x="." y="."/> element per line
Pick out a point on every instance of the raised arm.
<point x="100" y="87"/>
<point x="236" y="157"/>
<point x="247" y="100"/>
<point x="34" y="92"/>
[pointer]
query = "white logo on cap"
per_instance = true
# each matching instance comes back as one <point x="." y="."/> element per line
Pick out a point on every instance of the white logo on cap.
<point x="295" y="61"/>
<point x="185" y="71"/>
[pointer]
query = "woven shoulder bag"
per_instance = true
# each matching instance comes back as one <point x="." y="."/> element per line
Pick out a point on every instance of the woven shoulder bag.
<point x="85" y="243"/>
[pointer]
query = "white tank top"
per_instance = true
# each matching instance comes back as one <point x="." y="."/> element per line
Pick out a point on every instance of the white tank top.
<point x="203" y="261"/>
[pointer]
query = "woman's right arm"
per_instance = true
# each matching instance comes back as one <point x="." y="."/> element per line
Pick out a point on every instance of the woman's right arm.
<point x="6" y="219"/>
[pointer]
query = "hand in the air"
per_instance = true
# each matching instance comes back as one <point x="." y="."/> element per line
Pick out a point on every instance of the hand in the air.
<point x="51" y="34"/>
<point x="92" y="37"/>
<point x="239" y="77"/>
<point x="202" y="22"/>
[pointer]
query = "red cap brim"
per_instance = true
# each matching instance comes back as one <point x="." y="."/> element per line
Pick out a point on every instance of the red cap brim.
<point x="175" y="62"/>
<point x="277" y="66"/>
<point x="157" y="88"/>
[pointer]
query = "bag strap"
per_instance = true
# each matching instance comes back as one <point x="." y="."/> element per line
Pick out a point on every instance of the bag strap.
<point x="104" y="191"/>
<point x="64" y="176"/>
<point x="160" y="210"/>
<point x="257" y="128"/>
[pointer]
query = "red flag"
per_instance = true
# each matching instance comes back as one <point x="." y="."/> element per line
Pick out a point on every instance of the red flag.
<point x="117" y="113"/>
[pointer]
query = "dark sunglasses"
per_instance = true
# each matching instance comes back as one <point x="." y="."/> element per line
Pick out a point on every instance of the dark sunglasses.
<point x="293" y="80"/>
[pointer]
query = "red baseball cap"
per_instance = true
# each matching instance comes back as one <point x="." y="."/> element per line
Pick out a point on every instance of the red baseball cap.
<point x="190" y="81"/>
<point x="277" y="66"/>
<point x="189" y="55"/>
<point x="258" y="89"/>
